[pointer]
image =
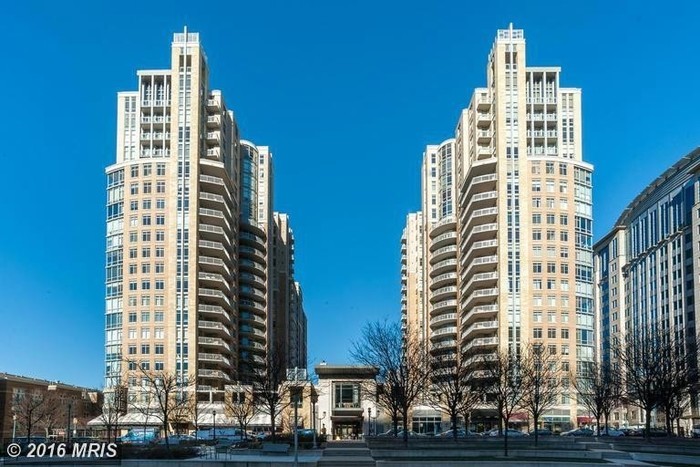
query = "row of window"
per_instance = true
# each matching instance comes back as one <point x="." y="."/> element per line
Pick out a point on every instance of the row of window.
<point x="146" y="252"/>
<point x="148" y="169"/>
<point x="146" y="268"/>
<point x="146" y="219"/>
<point x="550" y="203"/>
<point x="147" y="187"/>
<point x="551" y="333"/>
<point x="551" y="315"/>
<point x="551" y="268"/>
<point x="551" y="250"/>
<point x="158" y="333"/>
<point x="146" y="285"/>
<point x="549" y="168"/>
<point x="550" y="186"/>
<point x="537" y="300"/>
<point x="551" y="284"/>
<point x="158" y="300"/>
<point x="147" y="204"/>
<point x="146" y="236"/>
<point x="158" y="349"/>
<point x="551" y="219"/>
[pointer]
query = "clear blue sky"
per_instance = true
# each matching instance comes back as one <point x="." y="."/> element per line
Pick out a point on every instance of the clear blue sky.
<point x="346" y="94"/>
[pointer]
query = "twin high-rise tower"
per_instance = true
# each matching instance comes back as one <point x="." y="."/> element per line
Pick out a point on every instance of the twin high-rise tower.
<point x="199" y="269"/>
<point x="500" y="254"/>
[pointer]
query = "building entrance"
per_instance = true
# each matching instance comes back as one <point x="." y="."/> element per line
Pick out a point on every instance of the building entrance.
<point x="347" y="430"/>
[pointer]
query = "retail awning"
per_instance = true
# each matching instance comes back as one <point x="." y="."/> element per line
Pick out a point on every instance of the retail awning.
<point x="345" y="418"/>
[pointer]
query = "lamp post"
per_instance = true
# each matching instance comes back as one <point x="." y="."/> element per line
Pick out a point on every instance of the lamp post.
<point x="214" y="426"/>
<point x="14" y="427"/>
<point x="376" y="415"/>
<point x="70" y="406"/>
<point x="314" y="400"/>
<point x="369" y="421"/>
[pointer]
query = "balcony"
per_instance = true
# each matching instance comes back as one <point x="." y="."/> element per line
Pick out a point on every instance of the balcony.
<point x="443" y="279"/>
<point x="483" y="279"/>
<point x="254" y="319"/>
<point x="214" y="294"/>
<point x="209" y="279"/>
<point x="443" y="240"/>
<point x="443" y="293"/>
<point x="480" y="296"/>
<point x="214" y="137"/>
<point x="214" y="311"/>
<point x="255" y="346"/>
<point x="442" y="306"/>
<point x="214" y="184"/>
<point x="480" y="312"/>
<point x="480" y="327"/>
<point x="481" y="264"/>
<point x="214" y="153"/>
<point x="257" y="267"/>
<point x="478" y="184"/>
<point x="448" y="223"/>
<point x="483" y="102"/>
<point x="214" y="374"/>
<point x="443" y="266"/>
<point x="251" y="305"/>
<point x="482" y="342"/>
<point x="481" y="232"/>
<point x="443" y="253"/>
<point x="213" y="217"/>
<point x="484" y="152"/>
<point x="213" y="105"/>
<point x="213" y="342"/>
<point x="484" y="136"/>
<point x="252" y="253"/>
<point x="450" y="331"/>
<point x="209" y="247"/>
<point x="443" y="318"/>
<point x="214" y="264"/>
<point x="213" y="121"/>
<point x="483" y="119"/>
<point x="213" y="326"/>
<point x="480" y="201"/>
<point x="251" y="238"/>
<point x="213" y="358"/>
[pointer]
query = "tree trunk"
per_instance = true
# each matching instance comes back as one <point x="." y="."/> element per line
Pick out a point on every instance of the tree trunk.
<point x="395" y="419"/>
<point x="536" y="419"/>
<point x="405" y="425"/>
<point x="607" y="423"/>
<point x="647" y="424"/>
<point x="505" y="439"/>
<point x="272" y="421"/>
<point x="453" y="418"/>
<point x="597" y="424"/>
<point x="669" y="421"/>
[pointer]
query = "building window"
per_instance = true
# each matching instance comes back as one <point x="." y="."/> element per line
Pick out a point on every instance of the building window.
<point x="537" y="234"/>
<point x="160" y="169"/>
<point x="347" y="396"/>
<point x="537" y="333"/>
<point x="159" y="349"/>
<point x="145" y="349"/>
<point x="551" y="333"/>
<point x="160" y="203"/>
<point x="564" y="333"/>
<point x="160" y="187"/>
<point x="537" y="218"/>
<point x="158" y="316"/>
<point x="537" y="267"/>
<point x="551" y="268"/>
<point x="146" y="203"/>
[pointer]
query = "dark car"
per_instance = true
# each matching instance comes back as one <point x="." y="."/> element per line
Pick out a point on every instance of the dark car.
<point x="461" y="433"/>
<point x="578" y="432"/>
<point x="541" y="432"/>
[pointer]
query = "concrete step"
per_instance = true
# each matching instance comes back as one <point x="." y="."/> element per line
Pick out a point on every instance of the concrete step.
<point x="346" y="452"/>
<point x="346" y="462"/>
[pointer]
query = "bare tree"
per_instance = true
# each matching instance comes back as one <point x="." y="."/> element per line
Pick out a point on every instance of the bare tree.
<point x="271" y="390"/>
<point x="166" y="396"/>
<point x="402" y="364"/>
<point x="54" y="414"/>
<point x="597" y="387"/>
<point x="503" y="382"/>
<point x="540" y="381"/>
<point x="30" y="410"/>
<point x="113" y="408"/>
<point x="240" y="406"/>
<point x="454" y="388"/>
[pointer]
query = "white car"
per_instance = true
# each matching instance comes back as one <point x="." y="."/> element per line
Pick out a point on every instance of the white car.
<point x="610" y="432"/>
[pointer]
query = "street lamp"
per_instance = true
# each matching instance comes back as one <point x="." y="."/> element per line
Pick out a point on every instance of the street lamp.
<point x="70" y="406"/>
<point x="314" y="399"/>
<point x="369" y="421"/>
<point x="14" y="427"/>
<point x="376" y="415"/>
<point x="214" y="426"/>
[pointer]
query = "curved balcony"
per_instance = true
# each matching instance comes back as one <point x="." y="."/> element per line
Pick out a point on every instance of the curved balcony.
<point x="482" y="216"/>
<point x="214" y="327"/>
<point x="214" y="311"/>
<point x="480" y="296"/>
<point x="481" y="280"/>
<point x="443" y="267"/>
<point x="481" y="264"/>
<point x="479" y="184"/>
<point x="443" y="279"/>
<point x="442" y="240"/>
<point x="480" y="328"/>
<point x="213" y="248"/>
<point x="482" y="343"/>
<point x="252" y="253"/>
<point x="480" y="201"/>
<point x="444" y="344"/>
<point x="443" y="318"/>
<point x="213" y="233"/>
<point x="250" y="238"/>
<point x="252" y="332"/>
<point x="246" y="291"/>
<point x="247" y="344"/>
<point x="213" y="374"/>
<point x="481" y="232"/>
<point x="251" y="305"/>
<point x="211" y="264"/>
<point x="253" y="320"/>
<point x="255" y="267"/>
<point x="443" y="253"/>
<point x="253" y="280"/>
<point x="481" y="248"/>
<point x="214" y="342"/>
<point x="213" y="184"/>
<point x="216" y="359"/>
<point x="441" y="333"/>
<point x="480" y="312"/>
<point x="443" y="306"/>
<point x="442" y="226"/>
<point x="214" y="295"/>
<point x="214" y="217"/>
<point x="443" y="293"/>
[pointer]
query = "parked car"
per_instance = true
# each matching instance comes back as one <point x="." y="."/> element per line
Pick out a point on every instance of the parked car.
<point x="695" y="432"/>
<point x="174" y="440"/>
<point x="609" y="432"/>
<point x="461" y="433"/>
<point x="578" y="432"/>
<point x="511" y="433"/>
<point x="140" y="436"/>
<point x="541" y="432"/>
<point x="399" y="433"/>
